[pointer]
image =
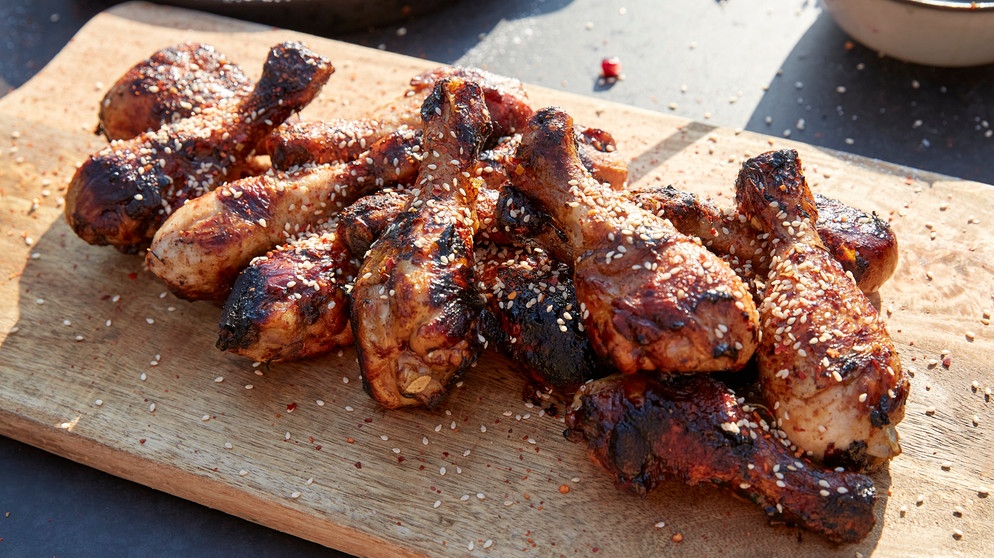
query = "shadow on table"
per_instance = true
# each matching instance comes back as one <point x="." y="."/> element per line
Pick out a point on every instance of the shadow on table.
<point x="454" y="30"/>
<point x="935" y="119"/>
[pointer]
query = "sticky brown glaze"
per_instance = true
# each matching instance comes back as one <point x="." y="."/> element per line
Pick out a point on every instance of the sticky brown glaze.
<point x="650" y="297"/>
<point x="863" y="243"/>
<point x="203" y="246"/>
<point x="414" y="306"/>
<point x="647" y="430"/>
<point x="532" y="316"/>
<point x="291" y="303"/>
<point x="827" y="366"/>
<point x="122" y="194"/>
<point x="172" y="83"/>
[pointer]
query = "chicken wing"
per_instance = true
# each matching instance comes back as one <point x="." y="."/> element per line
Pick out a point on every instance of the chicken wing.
<point x="650" y="297"/>
<point x="827" y="366"/>
<point x="173" y="83"/>
<point x="122" y="194"/>
<point x="645" y="431"/>
<point x="203" y="246"/>
<point x="415" y="306"/>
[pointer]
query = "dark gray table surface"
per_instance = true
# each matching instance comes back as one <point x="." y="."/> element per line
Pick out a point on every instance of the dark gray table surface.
<point x="778" y="67"/>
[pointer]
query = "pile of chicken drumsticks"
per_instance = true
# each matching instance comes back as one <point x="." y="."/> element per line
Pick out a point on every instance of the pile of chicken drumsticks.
<point x="457" y="218"/>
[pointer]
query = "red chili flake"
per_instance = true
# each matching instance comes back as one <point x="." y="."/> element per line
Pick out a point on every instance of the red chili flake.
<point x="946" y="361"/>
<point x="291" y="407"/>
<point x="611" y="67"/>
<point x="318" y="447"/>
<point x="132" y="275"/>
<point x="142" y="441"/>
<point x="358" y="464"/>
<point x="400" y="459"/>
<point x="367" y="420"/>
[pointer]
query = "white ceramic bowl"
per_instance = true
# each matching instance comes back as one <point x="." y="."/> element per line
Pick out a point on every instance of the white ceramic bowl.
<point x="931" y="32"/>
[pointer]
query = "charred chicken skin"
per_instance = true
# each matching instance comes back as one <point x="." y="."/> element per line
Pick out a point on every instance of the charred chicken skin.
<point x="645" y="431"/>
<point x="532" y="316"/>
<point x="863" y="243"/>
<point x="651" y="298"/>
<point x="203" y="246"/>
<point x="122" y="194"/>
<point x="828" y="369"/>
<point x="173" y="83"/>
<point x="291" y="303"/>
<point x="415" y="306"/>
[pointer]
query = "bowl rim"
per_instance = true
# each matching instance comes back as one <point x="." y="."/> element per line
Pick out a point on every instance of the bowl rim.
<point x="950" y="5"/>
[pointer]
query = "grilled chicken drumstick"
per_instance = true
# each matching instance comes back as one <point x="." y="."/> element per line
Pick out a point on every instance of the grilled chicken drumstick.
<point x="864" y="244"/>
<point x="122" y="194"/>
<point x="173" y="83"/>
<point x="203" y="246"/>
<point x="532" y="316"/>
<point x="343" y="140"/>
<point x="645" y="431"/>
<point x="293" y="302"/>
<point x="828" y="369"/>
<point x="650" y="297"/>
<point x="414" y="305"/>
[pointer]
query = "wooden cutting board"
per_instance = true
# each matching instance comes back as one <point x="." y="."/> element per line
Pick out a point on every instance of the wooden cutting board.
<point x="99" y="364"/>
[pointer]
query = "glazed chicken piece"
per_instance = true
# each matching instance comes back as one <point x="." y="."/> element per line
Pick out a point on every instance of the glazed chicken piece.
<point x="122" y="194"/>
<point x="414" y="305"/>
<point x="291" y="303"/>
<point x="828" y="369"/>
<point x="645" y="431"/>
<point x="321" y="142"/>
<point x="650" y="297"/>
<point x="339" y="140"/>
<point x="532" y="316"/>
<point x="173" y="83"/>
<point x="864" y="244"/>
<point x="203" y="246"/>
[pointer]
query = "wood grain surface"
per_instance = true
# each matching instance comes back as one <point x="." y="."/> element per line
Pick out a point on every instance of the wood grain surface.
<point x="99" y="364"/>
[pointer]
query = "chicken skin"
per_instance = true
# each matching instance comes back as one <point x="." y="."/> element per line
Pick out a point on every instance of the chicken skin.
<point x="650" y="297"/>
<point x="827" y="366"/>
<point x="415" y="306"/>
<point x="863" y="243"/>
<point x="203" y="246"/>
<point x="173" y="83"/>
<point x="122" y="194"/>
<point x="529" y="316"/>
<point x="291" y="303"/>
<point x="647" y="430"/>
